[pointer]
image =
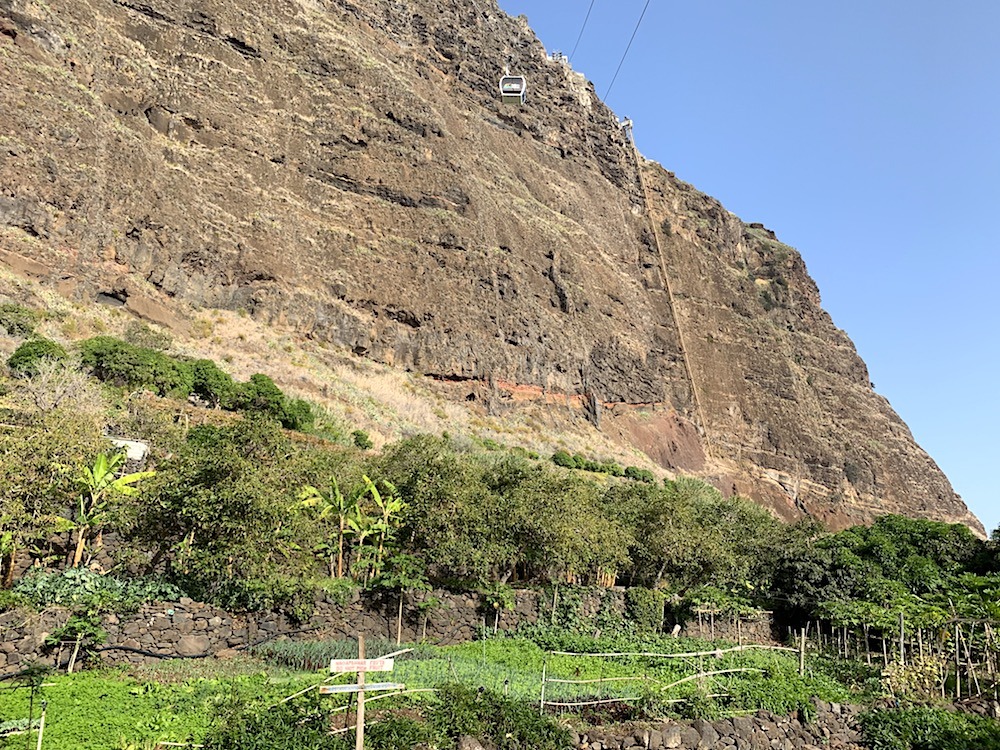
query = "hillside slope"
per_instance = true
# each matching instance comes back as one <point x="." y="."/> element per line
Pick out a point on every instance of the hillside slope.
<point x="345" y="171"/>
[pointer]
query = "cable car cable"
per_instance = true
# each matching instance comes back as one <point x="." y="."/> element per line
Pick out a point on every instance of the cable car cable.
<point x="580" y="35"/>
<point x="622" y="61"/>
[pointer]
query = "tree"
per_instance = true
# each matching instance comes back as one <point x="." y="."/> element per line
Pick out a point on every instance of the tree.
<point x="213" y="384"/>
<point x="55" y="384"/>
<point x="37" y="482"/>
<point x="119" y="363"/>
<point x="459" y="514"/>
<point x="27" y="358"/>
<point x="99" y="486"/>
<point x="222" y="516"/>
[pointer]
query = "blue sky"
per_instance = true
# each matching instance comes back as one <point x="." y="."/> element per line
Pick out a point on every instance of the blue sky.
<point x="867" y="135"/>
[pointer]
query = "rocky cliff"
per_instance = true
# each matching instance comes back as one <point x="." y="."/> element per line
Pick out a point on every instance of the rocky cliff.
<point x="345" y="170"/>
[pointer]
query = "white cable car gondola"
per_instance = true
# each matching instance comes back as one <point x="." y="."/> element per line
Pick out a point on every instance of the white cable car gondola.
<point x="513" y="89"/>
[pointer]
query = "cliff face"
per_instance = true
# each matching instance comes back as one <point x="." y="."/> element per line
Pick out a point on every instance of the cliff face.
<point x="345" y="170"/>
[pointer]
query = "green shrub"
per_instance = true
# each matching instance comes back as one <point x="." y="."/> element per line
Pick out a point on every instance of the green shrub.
<point x="563" y="458"/>
<point x="639" y="475"/>
<point x="299" y="725"/>
<point x="297" y="415"/>
<point x="399" y="732"/>
<point x="120" y="363"/>
<point x="361" y="440"/>
<point x="295" y="597"/>
<point x="261" y="395"/>
<point x="613" y="468"/>
<point x="26" y="358"/>
<point x="18" y="320"/>
<point x="507" y="724"/>
<point x="212" y="384"/>
<point x="85" y="590"/>
<point x="925" y="728"/>
<point x="645" y="607"/>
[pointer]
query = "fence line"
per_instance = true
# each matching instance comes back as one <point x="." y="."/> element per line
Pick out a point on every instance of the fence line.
<point x="542" y="702"/>
<point x="713" y="652"/>
<point x="599" y="679"/>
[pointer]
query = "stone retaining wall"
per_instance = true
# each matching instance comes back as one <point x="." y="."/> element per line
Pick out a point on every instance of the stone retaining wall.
<point x="759" y="629"/>
<point x="835" y="727"/>
<point x="192" y="629"/>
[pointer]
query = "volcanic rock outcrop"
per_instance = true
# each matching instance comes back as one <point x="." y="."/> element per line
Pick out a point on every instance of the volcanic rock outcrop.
<point x="345" y="169"/>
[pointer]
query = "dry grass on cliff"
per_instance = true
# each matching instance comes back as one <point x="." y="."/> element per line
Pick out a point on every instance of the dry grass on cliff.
<point x="352" y="393"/>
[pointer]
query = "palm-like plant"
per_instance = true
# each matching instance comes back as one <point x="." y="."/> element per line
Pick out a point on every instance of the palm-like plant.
<point x="327" y="505"/>
<point x="390" y="509"/>
<point x="99" y="485"/>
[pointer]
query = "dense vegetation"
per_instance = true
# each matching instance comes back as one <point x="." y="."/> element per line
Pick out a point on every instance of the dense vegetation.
<point x="250" y="512"/>
<point x="244" y="514"/>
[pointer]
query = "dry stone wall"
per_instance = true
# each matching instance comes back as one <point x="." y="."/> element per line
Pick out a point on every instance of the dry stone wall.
<point x="834" y="727"/>
<point x="190" y="629"/>
<point x="756" y="629"/>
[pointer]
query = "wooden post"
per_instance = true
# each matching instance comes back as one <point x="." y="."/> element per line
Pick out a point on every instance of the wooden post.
<point x="359" y="732"/>
<point x="541" y="697"/>
<point x="902" y="642"/>
<point x="41" y="726"/>
<point x="958" y="667"/>
<point x="802" y="652"/>
<point x="971" y="676"/>
<point x="990" y="664"/>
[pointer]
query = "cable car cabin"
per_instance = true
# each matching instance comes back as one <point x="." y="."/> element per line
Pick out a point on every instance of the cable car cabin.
<point x="513" y="89"/>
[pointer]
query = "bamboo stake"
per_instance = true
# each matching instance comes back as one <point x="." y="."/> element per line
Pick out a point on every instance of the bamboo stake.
<point x="971" y="675"/>
<point x="902" y="641"/>
<point x="958" y="667"/>
<point x="76" y="652"/>
<point x="541" y="697"/>
<point x="990" y="658"/>
<point x="702" y="675"/>
<point x="802" y="652"/>
<point x="41" y="726"/>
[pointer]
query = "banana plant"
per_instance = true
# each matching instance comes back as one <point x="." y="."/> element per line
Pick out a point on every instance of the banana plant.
<point x="390" y="509"/>
<point x="361" y="526"/>
<point x="328" y="504"/>
<point x="99" y="486"/>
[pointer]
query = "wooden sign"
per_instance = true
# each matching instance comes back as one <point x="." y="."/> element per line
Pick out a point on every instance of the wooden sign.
<point x="361" y="665"/>
<point x="331" y="689"/>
